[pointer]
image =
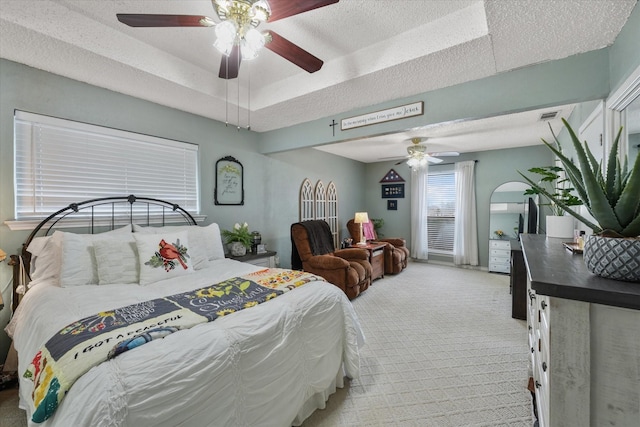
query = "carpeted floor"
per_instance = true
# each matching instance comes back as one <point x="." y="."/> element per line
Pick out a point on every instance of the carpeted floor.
<point x="442" y="350"/>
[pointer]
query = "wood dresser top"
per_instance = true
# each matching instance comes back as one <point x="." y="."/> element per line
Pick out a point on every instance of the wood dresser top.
<point x="557" y="272"/>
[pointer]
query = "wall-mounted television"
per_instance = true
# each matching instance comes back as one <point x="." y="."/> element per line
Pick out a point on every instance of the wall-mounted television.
<point x="532" y="217"/>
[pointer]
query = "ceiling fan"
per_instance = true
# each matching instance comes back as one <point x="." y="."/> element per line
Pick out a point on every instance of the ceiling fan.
<point x="236" y="34"/>
<point x="418" y="155"/>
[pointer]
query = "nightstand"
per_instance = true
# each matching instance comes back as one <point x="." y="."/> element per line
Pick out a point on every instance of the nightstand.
<point x="376" y="258"/>
<point x="266" y="259"/>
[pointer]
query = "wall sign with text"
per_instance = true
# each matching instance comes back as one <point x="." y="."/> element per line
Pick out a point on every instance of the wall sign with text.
<point x="390" y="114"/>
<point x="229" y="189"/>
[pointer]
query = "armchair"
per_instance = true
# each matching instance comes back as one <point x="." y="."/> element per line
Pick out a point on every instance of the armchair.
<point x="312" y="250"/>
<point x="396" y="253"/>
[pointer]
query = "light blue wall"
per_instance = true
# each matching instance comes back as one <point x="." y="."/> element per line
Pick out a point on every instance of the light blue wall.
<point x="493" y="169"/>
<point x="575" y="79"/>
<point x="624" y="54"/>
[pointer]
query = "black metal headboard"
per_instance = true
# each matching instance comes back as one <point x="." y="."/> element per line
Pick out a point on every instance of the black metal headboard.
<point x="109" y="218"/>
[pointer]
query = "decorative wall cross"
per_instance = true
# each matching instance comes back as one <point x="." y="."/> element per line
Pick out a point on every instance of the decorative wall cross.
<point x="333" y="125"/>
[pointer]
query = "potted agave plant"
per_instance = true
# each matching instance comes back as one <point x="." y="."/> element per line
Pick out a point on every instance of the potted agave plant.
<point x="612" y="197"/>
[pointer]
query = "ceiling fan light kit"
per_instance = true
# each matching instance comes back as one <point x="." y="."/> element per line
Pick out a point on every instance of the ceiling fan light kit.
<point x="239" y="19"/>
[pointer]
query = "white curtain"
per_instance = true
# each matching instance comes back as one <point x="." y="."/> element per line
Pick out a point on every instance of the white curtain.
<point x="419" y="243"/>
<point x="465" y="244"/>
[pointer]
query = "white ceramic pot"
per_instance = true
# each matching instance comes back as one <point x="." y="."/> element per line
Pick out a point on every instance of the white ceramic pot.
<point x="560" y="226"/>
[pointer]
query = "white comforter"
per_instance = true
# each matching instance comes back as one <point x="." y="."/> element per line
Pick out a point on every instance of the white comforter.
<point x="270" y="365"/>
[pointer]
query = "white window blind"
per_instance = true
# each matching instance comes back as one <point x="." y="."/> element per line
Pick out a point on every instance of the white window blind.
<point x="59" y="162"/>
<point x="441" y="209"/>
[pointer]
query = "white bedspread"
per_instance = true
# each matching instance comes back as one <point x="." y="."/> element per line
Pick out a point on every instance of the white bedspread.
<point x="269" y="365"/>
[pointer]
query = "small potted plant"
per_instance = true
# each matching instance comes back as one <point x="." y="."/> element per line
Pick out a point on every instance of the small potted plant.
<point x="238" y="239"/>
<point x="499" y="234"/>
<point x="612" y="197"/>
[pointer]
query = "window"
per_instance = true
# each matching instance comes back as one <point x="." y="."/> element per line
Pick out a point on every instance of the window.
<point x="59" y="162"/>
<point x="441" y="209"/>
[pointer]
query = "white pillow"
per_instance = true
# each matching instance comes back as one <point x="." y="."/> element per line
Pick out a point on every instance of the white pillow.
<point x="163" y="256"/>
<point x="78" y="263"/>
<point x="46" y="253"/>
<point x="202" y="239"/>
<point x="117" y="261"/>
<point x="215" y="250"/>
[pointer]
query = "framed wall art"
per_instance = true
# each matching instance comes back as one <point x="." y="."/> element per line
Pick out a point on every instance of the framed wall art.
<point x="392" y="205"/>
<point x="229" y="188"/>
<point x="393" y="191"/>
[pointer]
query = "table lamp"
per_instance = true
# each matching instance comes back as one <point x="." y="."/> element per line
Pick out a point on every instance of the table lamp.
<point x="361" y="218"/>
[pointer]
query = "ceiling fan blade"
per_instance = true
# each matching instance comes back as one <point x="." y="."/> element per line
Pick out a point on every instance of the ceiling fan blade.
<point x="144" y="20"/>
<point x="284" y="8"/>
<point x="293" y="53"/>
<point x="230" y="65"/>
<point x="434" y="160"/>
<point x="445" y="154"/>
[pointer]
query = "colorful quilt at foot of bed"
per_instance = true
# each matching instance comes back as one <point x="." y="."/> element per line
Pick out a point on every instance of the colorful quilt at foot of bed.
<point x="88" y="342"/>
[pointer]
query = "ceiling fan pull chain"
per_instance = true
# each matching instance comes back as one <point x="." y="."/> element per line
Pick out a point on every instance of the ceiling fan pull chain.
<point x="238" y="68"/>
<point x="226" y="99"/>
<point x="249" y="97"/>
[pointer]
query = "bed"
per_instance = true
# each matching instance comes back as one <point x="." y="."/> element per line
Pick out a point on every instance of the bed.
<point x="271" y="361"/>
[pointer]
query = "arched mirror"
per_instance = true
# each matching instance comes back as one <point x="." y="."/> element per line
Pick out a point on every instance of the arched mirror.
<point x="508" y="210"/>
<point x="508" y="215"/>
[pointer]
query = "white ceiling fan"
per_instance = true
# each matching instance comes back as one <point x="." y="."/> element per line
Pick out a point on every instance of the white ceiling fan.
<point x="418" y="155"/>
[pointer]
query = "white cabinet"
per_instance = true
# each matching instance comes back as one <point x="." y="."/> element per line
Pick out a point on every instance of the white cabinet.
<point x="559" y="339"/>
<point x="499" y="256"/>
<point x="584" y="340"/>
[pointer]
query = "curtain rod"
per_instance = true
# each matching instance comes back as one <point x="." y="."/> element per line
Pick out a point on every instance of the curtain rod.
<point x="452" y="163"/>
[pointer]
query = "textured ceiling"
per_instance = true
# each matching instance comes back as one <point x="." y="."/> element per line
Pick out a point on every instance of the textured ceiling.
<point x="369" y="48"/>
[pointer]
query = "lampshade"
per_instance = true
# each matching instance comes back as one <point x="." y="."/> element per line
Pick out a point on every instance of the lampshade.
<point x="3" y="255"/>
<point x="252" y="42"/>
<point x="361" y="218"/>
<point x="226" y="35"/>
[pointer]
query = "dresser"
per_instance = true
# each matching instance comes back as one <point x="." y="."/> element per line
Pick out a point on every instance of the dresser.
<point x="499" y="255"/>
<point x="584" y="340"/>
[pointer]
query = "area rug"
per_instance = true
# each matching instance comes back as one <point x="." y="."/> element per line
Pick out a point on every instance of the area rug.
<point x="442" y="350"/>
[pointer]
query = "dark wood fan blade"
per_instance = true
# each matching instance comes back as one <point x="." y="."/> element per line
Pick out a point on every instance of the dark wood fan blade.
<point x="283" y="8"/>
<point x="143" y="20"/>
<point x="293" y="53"/>
<point x="230" y="65"/>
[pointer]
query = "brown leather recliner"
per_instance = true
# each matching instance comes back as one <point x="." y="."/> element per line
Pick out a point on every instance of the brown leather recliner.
<point x="312" y="251"/>
<point x="396" y="253"/>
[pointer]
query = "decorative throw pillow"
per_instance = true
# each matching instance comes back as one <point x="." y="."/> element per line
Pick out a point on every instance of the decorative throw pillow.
<point x="78" y="261"/>
<point x="163" y="256"/>
<point x="206" y="243"/>
<point x="78" y="264"/>
<point x="117" y="261"/>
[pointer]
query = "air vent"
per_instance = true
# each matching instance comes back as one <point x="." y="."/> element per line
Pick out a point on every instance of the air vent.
<point x="548" y="116"/>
